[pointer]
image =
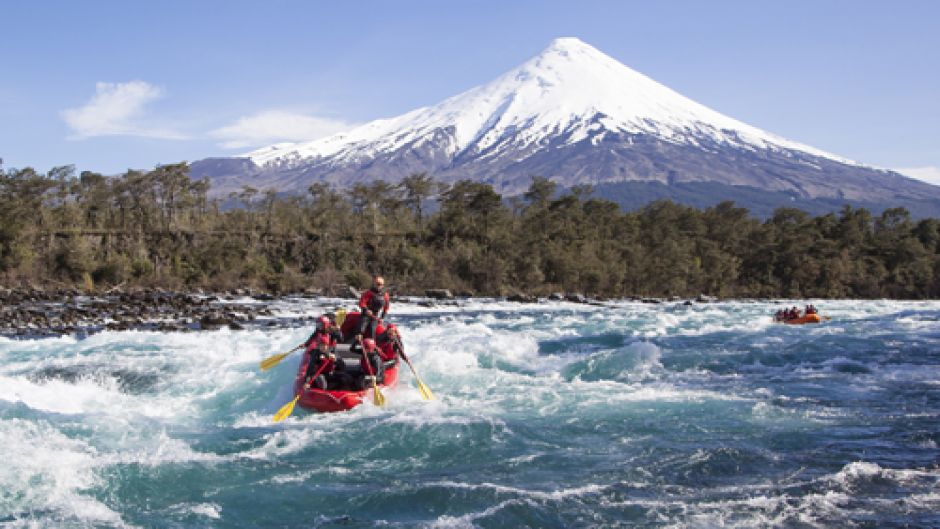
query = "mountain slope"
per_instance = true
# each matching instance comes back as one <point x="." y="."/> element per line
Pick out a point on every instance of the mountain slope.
<point x="578" y="116"/>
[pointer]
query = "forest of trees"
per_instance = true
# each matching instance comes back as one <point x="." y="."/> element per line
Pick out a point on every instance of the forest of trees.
<point x="160" y="228"/>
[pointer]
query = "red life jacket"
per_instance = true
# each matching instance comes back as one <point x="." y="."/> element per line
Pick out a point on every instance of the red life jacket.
<point x="350" y="324"/>
<point x="374" y="301"/>
<point x="314" y="340"/>
<point x="387" y="351"/>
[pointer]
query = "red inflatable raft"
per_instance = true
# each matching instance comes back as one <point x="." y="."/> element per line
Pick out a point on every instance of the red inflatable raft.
<point x="809" y="318"/>
<point x="337" y="400"/>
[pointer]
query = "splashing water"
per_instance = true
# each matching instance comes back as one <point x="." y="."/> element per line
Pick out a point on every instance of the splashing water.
<point x="549" y="415"/>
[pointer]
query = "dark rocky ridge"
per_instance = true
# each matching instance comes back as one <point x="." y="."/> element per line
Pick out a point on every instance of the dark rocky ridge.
<point x="39" y="312"/>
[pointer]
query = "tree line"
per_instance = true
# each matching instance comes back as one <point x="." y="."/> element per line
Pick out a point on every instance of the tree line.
<point x="161" y="228"/>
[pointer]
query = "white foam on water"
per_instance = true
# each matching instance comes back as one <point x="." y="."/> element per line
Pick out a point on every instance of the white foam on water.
<point x="156" y="449"/>
<point x="469" y="360"/>
<point x="729" y="325"/>
<point x="551" y="495"/>
<point x="466" y="521"/>
<point x="86" y="396"/>
<point x="917" y="323"/>
<point x="306" y="475"/>
<point x="838" y="503"/>
<point x="438" y="414"/>
<point x="109" y="425"/>
<point x="284" y="442"/>
<point x="208" y="510"/>
<point x="757" y="510"/>
<point x="647" y="357"/>
<point x="488" y="305"/>
<point x="45" y="476"/>
<point x="861" y="473"/>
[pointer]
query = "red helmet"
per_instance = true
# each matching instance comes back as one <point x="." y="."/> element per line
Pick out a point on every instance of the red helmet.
<point x="325" y="321"/>
<point x="368" y="345"/>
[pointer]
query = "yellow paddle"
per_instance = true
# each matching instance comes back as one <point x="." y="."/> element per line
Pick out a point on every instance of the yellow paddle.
<point x="286" y="410"/>
<point x="377" y="398"/>
<point x="425" y="391"/>
<point x="274" y="360"/>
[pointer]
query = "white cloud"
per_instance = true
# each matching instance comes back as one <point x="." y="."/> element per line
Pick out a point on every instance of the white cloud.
<point x="120" y="109"/>
<point x="272" y="126"/>
<point x="929" y="174"/>
<point x="117" y="109"/>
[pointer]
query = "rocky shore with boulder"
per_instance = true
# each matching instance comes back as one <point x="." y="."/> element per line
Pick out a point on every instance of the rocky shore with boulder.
<point x="33" y="312"/>
<point x="37" y="312"/>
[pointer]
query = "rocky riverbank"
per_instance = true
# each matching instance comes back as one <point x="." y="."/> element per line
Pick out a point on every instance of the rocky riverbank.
<point x="38" y="312"/>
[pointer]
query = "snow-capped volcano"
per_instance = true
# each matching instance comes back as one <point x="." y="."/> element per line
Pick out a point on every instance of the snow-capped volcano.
<point x="577" y="116"/>
<point x="570" y="88"/>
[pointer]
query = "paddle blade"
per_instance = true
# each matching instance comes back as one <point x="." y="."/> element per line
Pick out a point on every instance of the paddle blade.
<point x="286" y="410"/>
<point x="272" y="361"/>
<point x="340" y="317"/>
<point x="425" y="391"/>
<point x="377" y="398"/>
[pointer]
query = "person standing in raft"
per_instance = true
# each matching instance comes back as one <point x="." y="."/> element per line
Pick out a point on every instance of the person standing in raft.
<point x="373" y="306"/>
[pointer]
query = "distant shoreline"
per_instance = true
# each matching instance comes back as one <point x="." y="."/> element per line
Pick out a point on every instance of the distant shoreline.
<point x="38" y="313"/>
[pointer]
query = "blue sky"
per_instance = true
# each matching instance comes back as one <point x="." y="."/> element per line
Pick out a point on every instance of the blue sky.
<point x="112" y="85"/>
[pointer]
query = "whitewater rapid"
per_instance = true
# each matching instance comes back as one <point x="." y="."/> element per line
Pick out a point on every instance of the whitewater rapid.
<point x="548" y="415"/>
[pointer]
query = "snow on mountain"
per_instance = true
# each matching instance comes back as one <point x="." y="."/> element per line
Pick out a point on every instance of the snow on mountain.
<point x="929" y="174"/>
<point x="561" y="89"/>
<point x="577" y="116"/>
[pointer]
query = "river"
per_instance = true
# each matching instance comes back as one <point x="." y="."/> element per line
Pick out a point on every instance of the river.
<point x="548" y="415"/>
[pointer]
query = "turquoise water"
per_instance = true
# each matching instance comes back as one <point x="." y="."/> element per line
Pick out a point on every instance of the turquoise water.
<point x="552" y="415"/>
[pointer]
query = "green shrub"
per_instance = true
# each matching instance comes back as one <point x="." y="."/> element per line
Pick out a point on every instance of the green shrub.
<point x="359" y="279"/>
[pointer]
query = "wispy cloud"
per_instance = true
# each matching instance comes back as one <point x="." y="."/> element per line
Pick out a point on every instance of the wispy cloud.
<point x="929" y="174"/>
<point x="272" y="126"/>
<point x="121" y="109"/>
<point x="118" y="109"/>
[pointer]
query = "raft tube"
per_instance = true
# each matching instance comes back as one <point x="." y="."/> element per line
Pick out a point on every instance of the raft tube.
<point x="338" y="400"/>
<point x="809" y="318"/>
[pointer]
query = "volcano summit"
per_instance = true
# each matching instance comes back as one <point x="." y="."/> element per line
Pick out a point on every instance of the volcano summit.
<point x="578" y="116"/>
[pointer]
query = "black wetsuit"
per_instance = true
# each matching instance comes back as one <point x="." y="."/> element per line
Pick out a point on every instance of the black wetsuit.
<point x="378" y="369"/>
<point x="323" y="380"/>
